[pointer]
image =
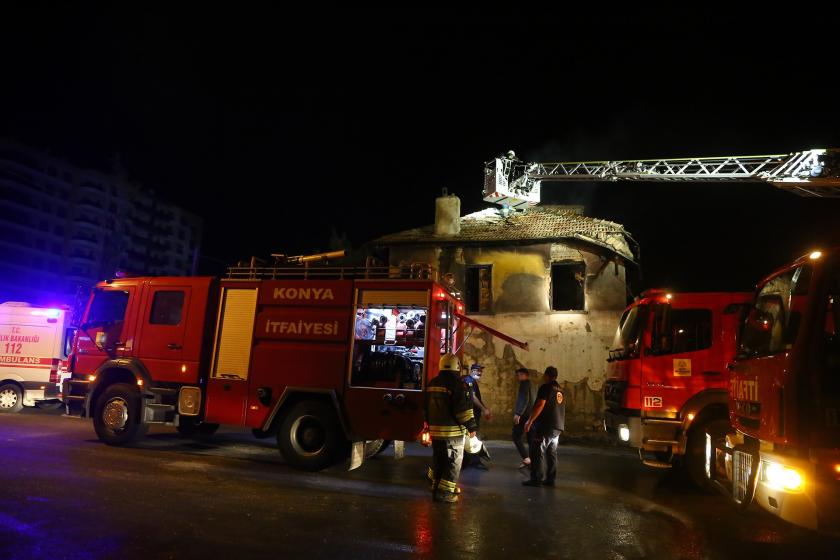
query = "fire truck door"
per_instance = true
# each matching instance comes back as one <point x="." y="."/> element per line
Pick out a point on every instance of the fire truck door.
<point x="227" y="387"/>
<point x="162" y="331"/>
<point x="384" y="397"/>
<point x="676" y="360"/>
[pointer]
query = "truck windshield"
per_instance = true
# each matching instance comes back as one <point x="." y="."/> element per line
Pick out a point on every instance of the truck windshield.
<point x="629" y="331"/>
<point x="830" y="358"/>
<point x="773" y="323"/>
<point x="108" y="307"/>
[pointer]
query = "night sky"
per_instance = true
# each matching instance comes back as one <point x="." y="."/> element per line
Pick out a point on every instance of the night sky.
<point x="278" y="127"/>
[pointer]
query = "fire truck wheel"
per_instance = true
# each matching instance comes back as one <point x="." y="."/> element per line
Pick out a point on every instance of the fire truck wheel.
<point x="11" y="398"/>
<point x="310" y="436"/>
<point x="695" y="452"/>
<point x="189" y="427"/>
<point x="116" y="417"/>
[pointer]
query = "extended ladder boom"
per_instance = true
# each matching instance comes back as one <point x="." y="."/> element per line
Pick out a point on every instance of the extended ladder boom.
<point x="514" y="183"/>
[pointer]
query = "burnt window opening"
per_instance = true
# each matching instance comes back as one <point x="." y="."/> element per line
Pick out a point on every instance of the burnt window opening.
<point x="479" y="288"/>
<point x="567" y="283"/>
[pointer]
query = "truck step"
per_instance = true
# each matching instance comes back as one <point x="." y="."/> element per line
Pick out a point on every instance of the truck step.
<point x="158" y="406"/>
<point x="660" y="421"/>
<point x="73" y="398"/>
<point x="656" y="464"/>
<point x="78" y="381"/>
<point x="661" y="441"/>
<point x="162" y="390"/>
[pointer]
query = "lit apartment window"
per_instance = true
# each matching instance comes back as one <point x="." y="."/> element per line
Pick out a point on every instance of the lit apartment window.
<point x="567" y="281"/>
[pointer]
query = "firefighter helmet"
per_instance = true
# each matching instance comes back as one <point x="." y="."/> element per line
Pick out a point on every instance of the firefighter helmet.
<point x="450" y="362"/>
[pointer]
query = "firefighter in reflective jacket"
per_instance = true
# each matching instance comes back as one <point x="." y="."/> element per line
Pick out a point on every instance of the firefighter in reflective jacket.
<point x="450" y="418"/>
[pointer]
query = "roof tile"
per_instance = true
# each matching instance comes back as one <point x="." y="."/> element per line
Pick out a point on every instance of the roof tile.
<point x="539" y="223"/>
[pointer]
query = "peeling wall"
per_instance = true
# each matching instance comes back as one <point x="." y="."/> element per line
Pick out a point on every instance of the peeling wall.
<point x="576" y="343"/>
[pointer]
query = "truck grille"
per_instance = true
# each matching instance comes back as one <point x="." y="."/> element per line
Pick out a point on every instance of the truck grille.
<point x="742" y="464"/>
<point x="614" y="393"/>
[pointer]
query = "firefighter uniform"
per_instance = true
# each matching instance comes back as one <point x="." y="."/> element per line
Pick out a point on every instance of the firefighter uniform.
<point x="450" y="418"/>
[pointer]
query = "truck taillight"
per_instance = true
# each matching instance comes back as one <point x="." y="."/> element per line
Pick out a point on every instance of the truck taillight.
<point x="59" y="367"/>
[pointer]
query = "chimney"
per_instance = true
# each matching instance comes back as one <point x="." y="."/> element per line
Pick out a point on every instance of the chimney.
<point x="447" y="214"/>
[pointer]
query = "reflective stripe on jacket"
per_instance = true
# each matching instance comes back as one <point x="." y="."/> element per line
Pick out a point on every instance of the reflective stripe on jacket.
<point x="448" y="412"/>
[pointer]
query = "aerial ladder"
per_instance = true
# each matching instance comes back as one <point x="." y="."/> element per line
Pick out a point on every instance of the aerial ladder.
<point x="513" y="183"/>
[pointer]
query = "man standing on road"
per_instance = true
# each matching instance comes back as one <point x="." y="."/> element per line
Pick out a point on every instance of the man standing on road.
<point x="525" y="397"/>
<point x="547" y="422"/>
<point x="450" y="417"/>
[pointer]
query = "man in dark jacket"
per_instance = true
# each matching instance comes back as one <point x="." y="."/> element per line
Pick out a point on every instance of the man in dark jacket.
<point x="547" y="422"/>
<point x="525" y="397"/>
<point x="450" y="418"/>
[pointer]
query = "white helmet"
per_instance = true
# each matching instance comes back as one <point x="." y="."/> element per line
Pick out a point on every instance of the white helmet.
<point x="472" y="445"/>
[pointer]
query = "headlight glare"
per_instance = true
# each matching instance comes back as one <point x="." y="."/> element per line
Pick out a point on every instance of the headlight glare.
<point x="781" y="477"/>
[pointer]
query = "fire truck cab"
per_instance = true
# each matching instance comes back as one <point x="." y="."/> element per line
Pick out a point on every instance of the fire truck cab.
<point x="783" y="451"/>
<point x="667" y="377"/>
<point x="318" y="357"/>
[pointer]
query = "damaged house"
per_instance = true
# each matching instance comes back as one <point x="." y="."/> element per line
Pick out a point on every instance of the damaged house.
<point x="550" y="276"/>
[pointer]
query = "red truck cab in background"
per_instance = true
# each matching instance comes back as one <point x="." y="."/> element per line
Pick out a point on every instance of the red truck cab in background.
<point x="783" y="450"/>
<point x="667" y="376"/>
<point x="319" y="357"/>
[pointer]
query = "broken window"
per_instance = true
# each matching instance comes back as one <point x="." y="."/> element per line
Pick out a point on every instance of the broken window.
<point x="567" y="282"/>
<point x="479" y="288"/>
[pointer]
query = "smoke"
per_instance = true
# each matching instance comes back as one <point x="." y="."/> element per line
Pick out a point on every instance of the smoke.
<point x="583" y="143"/>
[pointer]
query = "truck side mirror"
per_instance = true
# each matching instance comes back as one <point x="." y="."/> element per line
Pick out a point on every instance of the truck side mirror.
<point x="69" y="337"/>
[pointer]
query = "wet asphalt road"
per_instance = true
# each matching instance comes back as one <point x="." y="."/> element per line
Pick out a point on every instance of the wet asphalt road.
<point x="65" y="495"/>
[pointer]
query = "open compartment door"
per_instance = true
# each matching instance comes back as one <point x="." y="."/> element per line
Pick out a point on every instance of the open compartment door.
<point x="384" y="396"/>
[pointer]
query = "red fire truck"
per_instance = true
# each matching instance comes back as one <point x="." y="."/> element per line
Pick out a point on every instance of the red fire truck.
<point x="783" y="451"/>
<point x="667" y="378"/>
<point x="318" y="356"/>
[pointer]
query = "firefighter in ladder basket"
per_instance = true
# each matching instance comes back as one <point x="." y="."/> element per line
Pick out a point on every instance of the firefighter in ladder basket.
<point x="450" y="417"/>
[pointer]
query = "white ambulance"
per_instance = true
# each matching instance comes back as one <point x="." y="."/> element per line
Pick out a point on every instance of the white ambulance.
<point x="32" y="342"/>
